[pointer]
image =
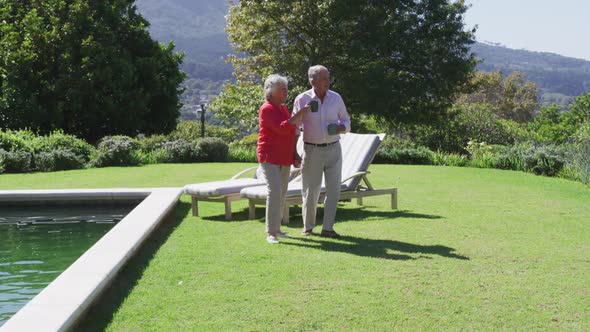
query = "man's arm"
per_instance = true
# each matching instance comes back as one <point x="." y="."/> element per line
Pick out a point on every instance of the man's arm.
<point x="343" y="119"/>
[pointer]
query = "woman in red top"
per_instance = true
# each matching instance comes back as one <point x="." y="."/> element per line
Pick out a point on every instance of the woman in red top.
<point x="276" y="150"/>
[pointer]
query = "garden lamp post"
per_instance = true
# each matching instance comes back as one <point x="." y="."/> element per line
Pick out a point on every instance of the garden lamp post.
<point x="202" y="111"/>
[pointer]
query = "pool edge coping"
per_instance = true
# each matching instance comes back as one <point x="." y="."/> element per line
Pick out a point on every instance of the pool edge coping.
<point x="65" y="300"/>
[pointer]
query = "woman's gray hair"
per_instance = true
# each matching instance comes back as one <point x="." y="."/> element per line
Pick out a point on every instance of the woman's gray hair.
<point x="272" y="81"/>
<point x="314" y="71"/>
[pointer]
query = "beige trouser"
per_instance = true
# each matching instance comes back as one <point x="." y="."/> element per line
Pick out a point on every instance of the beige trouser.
<point x="277" y="179"/>
<point x="318" y="161"/>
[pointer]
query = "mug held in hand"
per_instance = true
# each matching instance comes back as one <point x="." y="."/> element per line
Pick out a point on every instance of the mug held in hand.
<point x="314" y="106"/>
<point x="332" y="129"/>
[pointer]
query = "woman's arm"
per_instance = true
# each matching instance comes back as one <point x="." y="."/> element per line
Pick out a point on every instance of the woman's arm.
<point x="270" y="120"/>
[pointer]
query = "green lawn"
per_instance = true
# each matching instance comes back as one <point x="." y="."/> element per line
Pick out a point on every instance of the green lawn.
<point x="473" y="249"/>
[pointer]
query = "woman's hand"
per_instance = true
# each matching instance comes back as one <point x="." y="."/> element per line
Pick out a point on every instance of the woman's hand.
<point x="296" y="160"/>
<point x="306" y="109"/>
<point x="298" y="118"/>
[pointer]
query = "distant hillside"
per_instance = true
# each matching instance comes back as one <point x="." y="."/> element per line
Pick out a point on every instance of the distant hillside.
<point x="197" y="28"/>
<point x="559" y="79"/>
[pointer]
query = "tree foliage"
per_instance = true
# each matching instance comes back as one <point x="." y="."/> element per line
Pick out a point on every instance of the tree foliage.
<point x="512" y="98"/>
<point x="88" y="67"/>
<point x="555" y="126"/>
<point x="399" y="60"/>
<point x="238" y="104"/>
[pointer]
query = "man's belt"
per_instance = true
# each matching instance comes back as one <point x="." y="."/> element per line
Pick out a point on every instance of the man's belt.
<point x="321" y="145"/>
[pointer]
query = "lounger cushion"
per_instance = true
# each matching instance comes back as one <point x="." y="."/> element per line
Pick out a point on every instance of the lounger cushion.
<point x="221" y="188"/>
<point x="358" y="151"/>
<point x="260" y="192"/>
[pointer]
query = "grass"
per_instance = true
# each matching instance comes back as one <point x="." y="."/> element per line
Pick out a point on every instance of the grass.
<point x="474" y="249"/>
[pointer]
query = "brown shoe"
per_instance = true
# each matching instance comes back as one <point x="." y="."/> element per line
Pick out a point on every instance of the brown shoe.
<point x="307" y="232"/>
<point x="330" y="234"/>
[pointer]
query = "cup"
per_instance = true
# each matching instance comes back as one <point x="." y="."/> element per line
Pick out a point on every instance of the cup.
<point x="332" y="129"/>
<point x="314" y="105"/>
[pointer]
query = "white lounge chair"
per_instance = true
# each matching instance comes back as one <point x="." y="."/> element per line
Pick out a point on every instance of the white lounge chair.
<point x="226" y="191"/>
<point x="358" y="151"/>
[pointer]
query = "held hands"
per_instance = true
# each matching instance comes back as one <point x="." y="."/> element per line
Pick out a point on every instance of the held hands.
<point x="305" y="109"/>
<point x="296" y="160"/>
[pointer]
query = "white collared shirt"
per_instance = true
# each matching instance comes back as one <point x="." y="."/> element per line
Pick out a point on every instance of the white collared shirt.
<point x="315" y="125"/>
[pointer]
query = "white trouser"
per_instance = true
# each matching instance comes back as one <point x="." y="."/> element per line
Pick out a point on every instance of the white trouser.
<point x="277" y="179"/>
<point x="318" y="161"/>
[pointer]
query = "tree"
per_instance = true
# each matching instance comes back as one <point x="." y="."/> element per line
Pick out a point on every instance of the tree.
<point x="511" y="98"/>
<point x="579" y="111"/>
<point x="238" y="103"/>
<point x="87" y="67"/>
<point x="551" y="125"/>
<point x="401" y="60"/>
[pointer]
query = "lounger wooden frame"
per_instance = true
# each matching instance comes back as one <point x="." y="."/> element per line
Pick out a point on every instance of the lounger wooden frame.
<point x="358" y="193"/>
<point x="226" y="199"/>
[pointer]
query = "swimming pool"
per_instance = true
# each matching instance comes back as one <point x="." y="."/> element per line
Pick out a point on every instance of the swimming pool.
<point x="40" y="242"/>
<point x="61" y="304"/>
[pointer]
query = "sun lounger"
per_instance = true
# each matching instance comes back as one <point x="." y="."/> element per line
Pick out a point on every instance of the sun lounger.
<point x="225" y="191"/>
<point x="358" y="151"/>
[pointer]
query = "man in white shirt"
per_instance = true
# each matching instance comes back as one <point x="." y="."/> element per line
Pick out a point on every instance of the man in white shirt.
<point x="323" y="156"/>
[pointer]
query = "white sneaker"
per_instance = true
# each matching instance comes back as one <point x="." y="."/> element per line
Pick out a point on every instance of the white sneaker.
<point x="272" y="239"/>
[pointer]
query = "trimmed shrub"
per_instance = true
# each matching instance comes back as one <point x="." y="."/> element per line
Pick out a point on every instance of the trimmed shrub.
<point x="394" y="141"/>
<point x="116" y="151"/>
<point x="57" y="140"/>
<point x="14" y="141"/>
<point x="58" y="160"/>
<point x="212" y="149"/>
<point x="19" y="161"/>
<point x="181" y="151"/>
<point x="152" y="143"/>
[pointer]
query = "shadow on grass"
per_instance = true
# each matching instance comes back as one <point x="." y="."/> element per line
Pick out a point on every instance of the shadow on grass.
<point x="355" y="245"/>
<point x="387" y="249"/>
<point x="355" y="213"/>
<point x="375" y="248"/>
<point x="100" y="314"/>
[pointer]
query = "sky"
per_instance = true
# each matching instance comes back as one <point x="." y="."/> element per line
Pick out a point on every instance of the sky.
<point x="556" y="26"/>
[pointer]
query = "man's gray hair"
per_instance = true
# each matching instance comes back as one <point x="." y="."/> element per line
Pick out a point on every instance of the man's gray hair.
<point x="272" y="81"/>
<point x="314" y="71"/>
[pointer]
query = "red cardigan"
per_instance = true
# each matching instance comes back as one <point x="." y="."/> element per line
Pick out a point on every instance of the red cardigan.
<point x="276" y="140"/>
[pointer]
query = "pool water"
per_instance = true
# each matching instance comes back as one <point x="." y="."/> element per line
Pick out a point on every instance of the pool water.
<point x="38" y="243"/>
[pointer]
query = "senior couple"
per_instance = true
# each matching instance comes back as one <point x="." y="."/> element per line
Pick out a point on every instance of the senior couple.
<point x="321" y="114"/>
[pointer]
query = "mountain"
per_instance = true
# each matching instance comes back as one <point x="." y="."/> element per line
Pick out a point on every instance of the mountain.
<point x="559" y="79"/>
<point x="197" y="28"/>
